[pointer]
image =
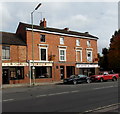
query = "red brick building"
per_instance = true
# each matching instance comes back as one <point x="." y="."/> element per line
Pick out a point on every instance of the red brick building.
<point x="55" y="53"/>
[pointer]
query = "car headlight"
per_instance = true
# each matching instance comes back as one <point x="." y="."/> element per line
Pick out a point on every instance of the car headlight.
<point x="97" y="76"/>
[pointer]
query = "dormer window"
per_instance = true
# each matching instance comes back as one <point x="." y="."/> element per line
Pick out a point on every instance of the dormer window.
<point x="62" y="40"/>
<point x="77" y="42"/>
<point x="42" y="38"/>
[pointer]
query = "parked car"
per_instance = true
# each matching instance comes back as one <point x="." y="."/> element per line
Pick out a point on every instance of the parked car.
<point x="75" y="79"/>
<point x="104" y="76"/>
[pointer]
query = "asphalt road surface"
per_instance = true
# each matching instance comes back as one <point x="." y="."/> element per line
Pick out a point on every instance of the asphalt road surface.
<point x="60" y="98"/>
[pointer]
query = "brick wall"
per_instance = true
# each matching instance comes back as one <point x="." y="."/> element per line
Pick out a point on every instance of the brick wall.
<point x="17" y="54"/>
<point x="53" y="42"/>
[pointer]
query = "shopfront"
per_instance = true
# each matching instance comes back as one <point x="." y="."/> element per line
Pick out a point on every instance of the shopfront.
<point x="12" y="73"/>
<point x="87" y="69"/>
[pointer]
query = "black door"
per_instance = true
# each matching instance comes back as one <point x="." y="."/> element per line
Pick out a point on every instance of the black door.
<point x="5" y="76"/>
<point x="70" y="70"/>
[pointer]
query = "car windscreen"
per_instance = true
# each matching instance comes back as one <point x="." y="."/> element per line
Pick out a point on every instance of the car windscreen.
<point x="81" y="76"/>
<point x="72" y="76"/>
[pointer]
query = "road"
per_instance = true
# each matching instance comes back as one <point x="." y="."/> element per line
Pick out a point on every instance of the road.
<point x="60" y="97"/>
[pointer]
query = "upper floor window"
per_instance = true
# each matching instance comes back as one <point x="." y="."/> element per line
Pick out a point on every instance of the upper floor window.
<point x="43" y="54"/>
<point x="89" y="56"/>
<point x="62" y="40"/>
<point x="77" y="42"/>
<point x="42" y="38"/>
<point x="79" y="55"/>
<point x="88" y="43"/>
<point x="5" y="52"/>
<point x="62" y="54"/>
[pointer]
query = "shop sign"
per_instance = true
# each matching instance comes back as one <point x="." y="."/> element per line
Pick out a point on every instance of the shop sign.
<point x="42" y="64"/>
<point x="86" y="65"/>
<point x="14" y="64"/>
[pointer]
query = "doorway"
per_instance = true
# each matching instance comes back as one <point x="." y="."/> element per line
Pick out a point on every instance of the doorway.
<point x="70" y="70"/>
<point x="5" y="76"/>
<point x="62" y="72"/>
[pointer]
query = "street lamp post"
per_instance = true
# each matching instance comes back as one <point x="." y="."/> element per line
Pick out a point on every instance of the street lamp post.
<point x="33" y="68"/>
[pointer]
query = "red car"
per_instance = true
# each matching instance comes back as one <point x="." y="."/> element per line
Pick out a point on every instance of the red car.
<point x="104" y="76"/>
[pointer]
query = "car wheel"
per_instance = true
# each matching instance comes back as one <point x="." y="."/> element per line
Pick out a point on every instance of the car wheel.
<point x="114" y="79"/>
<point x="101" y="79"/>
<point x="88" y="81"/>
<point x="74" y="82"/>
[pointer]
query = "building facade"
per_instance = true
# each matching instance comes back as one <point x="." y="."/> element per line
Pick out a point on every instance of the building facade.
<point x="52" y="53"/>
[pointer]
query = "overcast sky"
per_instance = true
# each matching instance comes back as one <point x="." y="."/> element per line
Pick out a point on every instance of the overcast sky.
<point x="98" y="18"/>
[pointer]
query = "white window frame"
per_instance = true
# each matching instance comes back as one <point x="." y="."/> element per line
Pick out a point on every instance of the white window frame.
<point x="88" y="43"/>
<point x="91" y="56"/>
<point x="80" y="55"/>
<point x="61" y="55"/>
<point x="46" y="53"/>
<point x="61" y="40"/>
<point x="77" y="42"/>
<point x="5" y="51"/>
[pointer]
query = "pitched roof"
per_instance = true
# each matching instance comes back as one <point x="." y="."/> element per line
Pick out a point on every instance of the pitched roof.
<point x="11" y="39"/>
<point x="63" y="31"/>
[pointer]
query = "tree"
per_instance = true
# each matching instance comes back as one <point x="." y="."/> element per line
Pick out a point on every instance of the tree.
<point x="104" y="60"/>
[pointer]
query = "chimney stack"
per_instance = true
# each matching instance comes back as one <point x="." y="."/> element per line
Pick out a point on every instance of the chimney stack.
<point x="43" y="23"/>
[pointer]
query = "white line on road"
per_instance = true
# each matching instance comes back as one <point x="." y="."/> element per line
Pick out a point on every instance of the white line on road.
<point x="100" y="108"/>
<point x="103" y="87"/>
<point x="58" y="93"/>
<point x="75" y="91"/>
<point x="52" y="94"/>
<point x="41" y="96"/>
<point x="8" y="100"/>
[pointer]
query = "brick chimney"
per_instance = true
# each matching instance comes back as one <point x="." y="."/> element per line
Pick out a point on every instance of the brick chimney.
<point x="43" y="23"/>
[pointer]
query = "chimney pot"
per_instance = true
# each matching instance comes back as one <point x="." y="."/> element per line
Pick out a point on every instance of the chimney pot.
<point x="43" y="23"/>
<point x="86" y="32"/>
<point x="67" y="29"/>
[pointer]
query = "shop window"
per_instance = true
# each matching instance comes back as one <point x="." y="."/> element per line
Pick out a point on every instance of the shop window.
<point x="42" y="38"/>
<point x="5" y="52"/>
<point x="16" y="73"/>
<point x="43" y="72"/>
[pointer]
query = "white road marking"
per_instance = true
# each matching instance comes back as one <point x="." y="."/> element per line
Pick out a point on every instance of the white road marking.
<point x="8" y="100"/>
<point x="75" y="91"/>
<point x="100" y="108"/>
<point x="41" y="96"/>
<point x="52" y="94"/>
<point x="103" y="87"/>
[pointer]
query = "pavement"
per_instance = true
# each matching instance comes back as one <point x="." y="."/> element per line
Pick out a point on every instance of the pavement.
<point x="28" y="84"/>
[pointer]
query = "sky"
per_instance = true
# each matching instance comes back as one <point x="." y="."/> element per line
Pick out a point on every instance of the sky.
<point x="98" y="18"/>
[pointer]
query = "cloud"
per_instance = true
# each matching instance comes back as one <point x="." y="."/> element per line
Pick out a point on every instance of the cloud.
<point x="98" y="18"/>
<point x="6" y="17"/>
<point x="73" y="22"/>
